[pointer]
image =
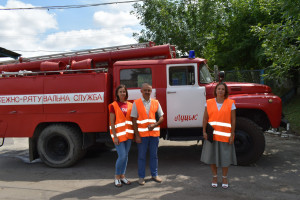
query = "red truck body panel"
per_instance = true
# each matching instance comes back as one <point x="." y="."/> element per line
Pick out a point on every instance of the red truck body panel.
<point x="261" y="102"/>
<point x="54" y="98"/>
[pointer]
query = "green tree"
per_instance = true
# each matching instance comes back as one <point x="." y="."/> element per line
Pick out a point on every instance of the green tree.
<point x="188" y="24"/>
<point x="281" y="40"/>
<point x="218" y="30"/>
<point x="236" y="45"/>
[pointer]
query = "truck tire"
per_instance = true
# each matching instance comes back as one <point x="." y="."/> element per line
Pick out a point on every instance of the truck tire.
<point x="249" y="141"/>
<point x="60" y="145"/>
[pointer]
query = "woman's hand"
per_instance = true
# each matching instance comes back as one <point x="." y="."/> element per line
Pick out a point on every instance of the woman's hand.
<point x="231" y="139"/>
<point x="116" y="141"/>
<point x="205" y="136"/>
<point x="138" y="139"/>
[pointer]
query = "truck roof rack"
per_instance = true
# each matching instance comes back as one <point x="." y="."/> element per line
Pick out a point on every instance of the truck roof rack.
<point x="82" y="52"/>
<point x="87" y="59"/>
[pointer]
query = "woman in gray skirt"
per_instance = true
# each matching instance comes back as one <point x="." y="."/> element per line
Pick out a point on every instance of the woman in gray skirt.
<point x="220" y="114"/>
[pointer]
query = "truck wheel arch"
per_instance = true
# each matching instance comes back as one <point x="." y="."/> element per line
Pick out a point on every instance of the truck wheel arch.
<point x="257" y="116"/>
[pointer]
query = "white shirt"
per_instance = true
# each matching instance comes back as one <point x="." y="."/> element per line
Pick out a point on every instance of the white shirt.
<point x="147" y="105"/>
<point x="219" y="105"/>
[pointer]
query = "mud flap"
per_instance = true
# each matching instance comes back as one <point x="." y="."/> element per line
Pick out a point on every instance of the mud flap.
<point x="33" y="154"/>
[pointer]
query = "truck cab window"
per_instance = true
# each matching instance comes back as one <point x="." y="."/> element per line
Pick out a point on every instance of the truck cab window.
<point x="134" y="78"/>
<point x="181" y="75"/>
<point x="204" y="74"/>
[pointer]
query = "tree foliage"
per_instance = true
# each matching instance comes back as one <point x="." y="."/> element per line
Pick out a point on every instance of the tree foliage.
<point x="184" y="22"/>
<point x="281" y="40"/>
<point x="228" y="33"/>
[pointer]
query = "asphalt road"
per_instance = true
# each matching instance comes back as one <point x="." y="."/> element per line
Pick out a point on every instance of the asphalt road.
<point x="275" y="176"/>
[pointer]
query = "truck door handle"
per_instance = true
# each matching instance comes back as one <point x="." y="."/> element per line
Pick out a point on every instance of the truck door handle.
<point x="72" y="111"/>
<point x="13" y="112"/>
<point x="171" y="92"/>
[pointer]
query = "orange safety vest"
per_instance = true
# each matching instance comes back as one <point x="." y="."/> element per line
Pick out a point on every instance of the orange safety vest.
<point x="144" y="120"/>
<point x="220" y="120"/>
<point x="123" y="124"/>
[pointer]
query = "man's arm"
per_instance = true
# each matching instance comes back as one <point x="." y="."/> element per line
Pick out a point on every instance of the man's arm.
<point x="160" y="120"/>
<point x="152" y="126"/>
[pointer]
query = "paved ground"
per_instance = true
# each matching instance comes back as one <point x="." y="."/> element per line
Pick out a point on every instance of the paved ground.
<point x="275" y="176"/>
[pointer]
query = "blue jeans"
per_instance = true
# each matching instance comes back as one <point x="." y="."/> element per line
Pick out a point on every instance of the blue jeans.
<point x="152" y="144"/>
<point x="122" y="150"/>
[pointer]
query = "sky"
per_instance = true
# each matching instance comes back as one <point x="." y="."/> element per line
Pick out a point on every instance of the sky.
<point x="41" y="32"/>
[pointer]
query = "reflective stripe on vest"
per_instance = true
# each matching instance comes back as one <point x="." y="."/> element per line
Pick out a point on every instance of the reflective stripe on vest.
<point x="127" y="131"/>
<point x="144" y="120"/>
<point x="220" y="119"/>
<point x="123" y="125"/>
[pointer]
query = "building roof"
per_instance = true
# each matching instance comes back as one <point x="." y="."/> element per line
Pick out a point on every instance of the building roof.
<point x="8" y="53"/>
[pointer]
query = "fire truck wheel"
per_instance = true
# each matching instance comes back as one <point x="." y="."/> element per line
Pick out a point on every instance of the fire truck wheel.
<point x="249" y="141"/>
<point x="60" y="145"/>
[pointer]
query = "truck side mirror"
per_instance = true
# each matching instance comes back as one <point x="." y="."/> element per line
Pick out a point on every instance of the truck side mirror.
<point x="221" y="76"/>
<point x="216" y="73"/>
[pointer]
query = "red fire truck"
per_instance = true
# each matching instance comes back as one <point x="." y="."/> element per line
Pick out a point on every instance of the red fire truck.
<point x="60" y="102"/>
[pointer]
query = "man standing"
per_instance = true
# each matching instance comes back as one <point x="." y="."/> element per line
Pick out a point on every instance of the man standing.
<point x="146" y="130"/>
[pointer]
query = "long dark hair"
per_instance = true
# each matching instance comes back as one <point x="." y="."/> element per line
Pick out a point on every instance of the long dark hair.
<point x="117" y="90"/>
<point x="226" y="90"/>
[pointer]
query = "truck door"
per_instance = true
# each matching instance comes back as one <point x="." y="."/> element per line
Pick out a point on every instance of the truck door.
<point x="185" y="98"/>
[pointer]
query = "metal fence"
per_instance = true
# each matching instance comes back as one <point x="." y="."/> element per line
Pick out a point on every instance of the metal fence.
<point x="249" y="76"/>
<point x="281" y="87"/>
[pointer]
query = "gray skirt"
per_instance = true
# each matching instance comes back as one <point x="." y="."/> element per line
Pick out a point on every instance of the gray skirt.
<point x="220" y="153"/>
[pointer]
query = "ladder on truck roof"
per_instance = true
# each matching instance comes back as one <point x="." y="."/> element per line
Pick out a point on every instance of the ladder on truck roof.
<point x="156" y="52"/>
<point x="85" y="52"/>
<point x="91" y="51"/>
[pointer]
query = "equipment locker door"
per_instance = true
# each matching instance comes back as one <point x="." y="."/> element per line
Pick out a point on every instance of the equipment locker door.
<point x="77" y="98"/>
<point x="21" y="105"/>
<point x="185" y="98"/>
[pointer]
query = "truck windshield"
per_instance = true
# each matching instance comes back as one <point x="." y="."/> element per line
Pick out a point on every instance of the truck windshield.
<point x="204" y="74"/>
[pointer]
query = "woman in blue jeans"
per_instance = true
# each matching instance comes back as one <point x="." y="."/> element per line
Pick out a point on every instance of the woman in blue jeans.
<point x="121" y="132"/>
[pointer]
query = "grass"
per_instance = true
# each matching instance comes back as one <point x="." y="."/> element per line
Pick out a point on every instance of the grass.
<point x="291" y="110"/>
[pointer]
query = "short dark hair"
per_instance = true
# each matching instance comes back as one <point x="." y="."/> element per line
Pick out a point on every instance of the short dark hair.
<point x="145" y="84"/>
<point x="117" y="90"/>
<point x="226" y="90"/>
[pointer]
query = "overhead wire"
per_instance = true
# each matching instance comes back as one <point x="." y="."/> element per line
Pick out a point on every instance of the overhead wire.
<point x="63" y="7"/>
<point x="70" y="6"/>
